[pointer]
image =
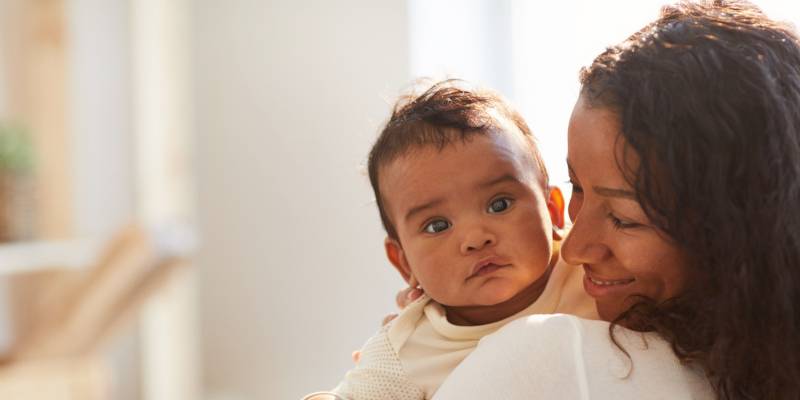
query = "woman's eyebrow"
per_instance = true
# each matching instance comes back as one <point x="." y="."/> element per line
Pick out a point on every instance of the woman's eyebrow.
<point x="608" y="192"/>
<point x="570" y="168"/>
<point x="617" y="193"/>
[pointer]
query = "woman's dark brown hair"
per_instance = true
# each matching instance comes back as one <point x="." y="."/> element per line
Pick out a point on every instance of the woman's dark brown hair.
<point x="708" y="96"/>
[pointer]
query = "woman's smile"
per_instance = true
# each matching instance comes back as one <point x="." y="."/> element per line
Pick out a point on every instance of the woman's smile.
<point x="601" y="288"/>
<point x="596" y="282"/>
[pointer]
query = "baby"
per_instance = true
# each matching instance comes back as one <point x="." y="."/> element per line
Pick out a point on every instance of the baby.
<point x="463" y="195"/>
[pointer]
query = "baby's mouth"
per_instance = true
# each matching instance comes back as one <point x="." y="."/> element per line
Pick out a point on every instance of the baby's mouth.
<point x="487" y="269"/>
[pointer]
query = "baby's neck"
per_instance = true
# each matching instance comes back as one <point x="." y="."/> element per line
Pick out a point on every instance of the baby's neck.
<point x="482" y="315"/>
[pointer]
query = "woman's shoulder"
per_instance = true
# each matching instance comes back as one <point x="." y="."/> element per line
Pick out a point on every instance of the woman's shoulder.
<point x="563" y="356"/>
<point x="561" y="326"/>
<point x="570" y="338"/>
<point x="560" y="320"/>
<point x="563" y="337"/>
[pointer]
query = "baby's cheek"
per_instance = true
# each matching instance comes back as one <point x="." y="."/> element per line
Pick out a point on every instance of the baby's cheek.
<point x="439" y="268"/>
<point x="433" y="282"/>
<point x="439" y="285"/>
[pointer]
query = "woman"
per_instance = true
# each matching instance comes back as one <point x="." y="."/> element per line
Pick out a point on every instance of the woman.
<point x="684" y="154"/>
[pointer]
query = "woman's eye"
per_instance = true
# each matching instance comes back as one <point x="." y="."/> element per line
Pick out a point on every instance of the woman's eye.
<point x="620" y="224"/>
<point x="437" y="226"/>
<point x="499" y="205"/>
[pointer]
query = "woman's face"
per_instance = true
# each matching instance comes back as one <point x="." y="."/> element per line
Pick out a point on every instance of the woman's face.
<point x="621" y="252"/>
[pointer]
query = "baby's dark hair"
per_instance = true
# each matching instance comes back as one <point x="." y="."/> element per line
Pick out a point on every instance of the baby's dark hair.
<point x="446" y="113"/>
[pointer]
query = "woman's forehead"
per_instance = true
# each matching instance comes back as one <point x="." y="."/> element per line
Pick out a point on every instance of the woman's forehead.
<point x="596" y="146"/>
<point x="592" y="131"/>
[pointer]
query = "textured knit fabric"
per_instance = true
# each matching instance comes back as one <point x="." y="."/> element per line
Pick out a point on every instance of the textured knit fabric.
<point x="564" y="357"/>
<point x="411" y="356"/>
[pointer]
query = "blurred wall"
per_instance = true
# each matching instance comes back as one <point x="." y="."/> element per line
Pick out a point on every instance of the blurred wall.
<point x="101" y="137"/>
<point x="288" y="102"/>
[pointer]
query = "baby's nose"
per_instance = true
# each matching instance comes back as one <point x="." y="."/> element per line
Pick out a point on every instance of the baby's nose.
<point x="476" y="239"/>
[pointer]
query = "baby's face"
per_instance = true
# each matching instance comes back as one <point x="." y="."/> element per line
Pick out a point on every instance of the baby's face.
<point x="472" y="219"/>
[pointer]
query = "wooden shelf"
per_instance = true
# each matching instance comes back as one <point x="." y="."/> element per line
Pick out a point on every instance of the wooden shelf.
<point x="168" y="240"/>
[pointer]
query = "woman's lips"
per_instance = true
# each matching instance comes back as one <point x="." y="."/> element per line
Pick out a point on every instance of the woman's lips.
<point x="601" y="287"/>
<point x="597" y="282"/>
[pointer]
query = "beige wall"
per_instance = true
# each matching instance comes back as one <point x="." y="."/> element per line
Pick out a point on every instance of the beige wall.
<point x="100" y="120"/>
<point x="288" y="101"/>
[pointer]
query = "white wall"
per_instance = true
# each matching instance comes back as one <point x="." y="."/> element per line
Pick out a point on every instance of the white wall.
<point x="465" y="39"/>
<point x="288" y="102"/>
<point x="102" y="140"/>
<point x="100" y="116"/>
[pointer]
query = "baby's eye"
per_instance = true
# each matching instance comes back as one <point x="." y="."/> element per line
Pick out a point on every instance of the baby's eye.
<point x="499" y="205"/>
<point x="437" y="226"/>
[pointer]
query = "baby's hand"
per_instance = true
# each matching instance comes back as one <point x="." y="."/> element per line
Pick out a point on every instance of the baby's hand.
<point x="404" y="298"/>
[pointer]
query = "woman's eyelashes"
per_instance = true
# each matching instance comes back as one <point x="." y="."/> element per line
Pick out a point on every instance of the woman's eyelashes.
<point x="575" y="187"/>
<point x="621" y="224"/>
<point x="499" y="205"/>
<point x="437" y="226"/>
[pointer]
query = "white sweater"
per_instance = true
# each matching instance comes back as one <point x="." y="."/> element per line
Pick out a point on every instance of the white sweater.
<point x="565" y="357"/>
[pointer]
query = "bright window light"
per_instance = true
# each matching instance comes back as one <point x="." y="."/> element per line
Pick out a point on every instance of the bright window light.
<point x="531" y="51"/>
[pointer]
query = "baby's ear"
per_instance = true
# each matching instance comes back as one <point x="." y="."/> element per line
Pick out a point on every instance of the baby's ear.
<point x="556" y="206"/>
<point x="397" y="257"/>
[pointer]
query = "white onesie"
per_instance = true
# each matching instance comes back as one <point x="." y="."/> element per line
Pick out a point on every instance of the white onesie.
<point x="412" y="355"/>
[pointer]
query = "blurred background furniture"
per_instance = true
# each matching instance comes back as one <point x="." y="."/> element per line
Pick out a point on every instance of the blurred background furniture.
<point x="62" y="327"/>
<point x="98" y="293"/>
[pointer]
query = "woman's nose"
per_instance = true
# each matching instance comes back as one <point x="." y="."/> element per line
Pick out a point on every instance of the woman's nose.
<point x="584" y="243"/>
<point x="477" y="237"/>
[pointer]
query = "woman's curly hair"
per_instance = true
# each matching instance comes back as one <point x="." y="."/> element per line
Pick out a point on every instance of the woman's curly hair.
<point x="708" y="96"/>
